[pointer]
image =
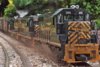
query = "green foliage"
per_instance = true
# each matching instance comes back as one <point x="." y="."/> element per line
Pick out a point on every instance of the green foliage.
<point x="40" y="6"/>
<point x="0" y="1"/>
<point x="98" y="23"/>
<point x="20" y="4"/>
<point x="49" y="6"/>
<point x="44" y="6"/>
<point x="10" y="10"/>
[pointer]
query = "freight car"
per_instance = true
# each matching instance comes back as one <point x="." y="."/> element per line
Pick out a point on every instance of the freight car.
<point x="74" y="28"/>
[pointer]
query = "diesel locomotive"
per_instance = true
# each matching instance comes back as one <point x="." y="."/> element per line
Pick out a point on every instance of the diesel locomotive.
<point x="77" y="35"/>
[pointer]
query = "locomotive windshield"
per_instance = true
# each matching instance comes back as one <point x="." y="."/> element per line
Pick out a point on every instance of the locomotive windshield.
<point x="68" y="17"/>
<point x="79" y="17"/>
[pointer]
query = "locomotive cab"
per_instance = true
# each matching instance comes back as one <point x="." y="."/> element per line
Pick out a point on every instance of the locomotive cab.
<point x="77" y="35"/>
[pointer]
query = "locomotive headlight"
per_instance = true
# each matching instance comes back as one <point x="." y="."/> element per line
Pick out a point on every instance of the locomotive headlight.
<point x="75" y="6"/>
<point x="72" y="6"/>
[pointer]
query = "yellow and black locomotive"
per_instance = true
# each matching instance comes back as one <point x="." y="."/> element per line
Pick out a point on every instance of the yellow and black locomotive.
<point x="75" y="30"/>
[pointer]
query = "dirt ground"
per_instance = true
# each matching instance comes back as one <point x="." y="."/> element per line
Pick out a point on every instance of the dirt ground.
<point x="31" y="56"/>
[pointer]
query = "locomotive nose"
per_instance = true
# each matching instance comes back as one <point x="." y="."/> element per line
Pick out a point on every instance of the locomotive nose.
<point x="82" y="57"/>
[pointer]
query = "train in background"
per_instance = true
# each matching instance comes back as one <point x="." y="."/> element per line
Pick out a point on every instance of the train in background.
<point x="38" y="26"/>
<point x="18" y="25"/>
<point x="71" y="27"/>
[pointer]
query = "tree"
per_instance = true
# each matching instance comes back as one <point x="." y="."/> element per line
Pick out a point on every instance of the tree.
<point x="3" y="5"/>
<point x="10" y="10"/>
<point x="34" y="6"/>
<point x="45" y="6"/>
<point x="22" y="4"/>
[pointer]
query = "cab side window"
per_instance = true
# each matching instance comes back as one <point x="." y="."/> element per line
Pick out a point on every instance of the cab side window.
<point x="68" y="17"/>
<point x="60" y="19"/>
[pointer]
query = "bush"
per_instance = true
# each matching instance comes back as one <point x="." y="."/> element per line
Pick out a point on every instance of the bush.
<point x="98" y="23"/>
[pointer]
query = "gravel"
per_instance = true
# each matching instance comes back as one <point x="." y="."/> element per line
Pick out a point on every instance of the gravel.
<point x="34" y="59"/>
<point x="14" y="58"/>
<point x="29" y="57"/>
<point x="2" y="57"/>
<point x="96" y="64"/>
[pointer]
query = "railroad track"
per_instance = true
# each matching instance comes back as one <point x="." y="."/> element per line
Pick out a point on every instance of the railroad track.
<point x="6" y="64"/>
<point x="12" y="59"/>
<point x="83" y="64"/>
<point x="67" y="65"/>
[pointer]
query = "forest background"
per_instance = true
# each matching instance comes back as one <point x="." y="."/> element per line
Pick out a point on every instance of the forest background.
<point x="50" y="6"/>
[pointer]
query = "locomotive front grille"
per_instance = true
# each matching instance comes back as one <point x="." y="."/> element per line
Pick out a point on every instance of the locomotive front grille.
<point x="78" y="32"/>
<point x="72" y="37"/>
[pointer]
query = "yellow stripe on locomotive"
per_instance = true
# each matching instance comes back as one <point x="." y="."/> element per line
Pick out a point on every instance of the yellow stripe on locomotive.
<point x="75" y="35"/>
